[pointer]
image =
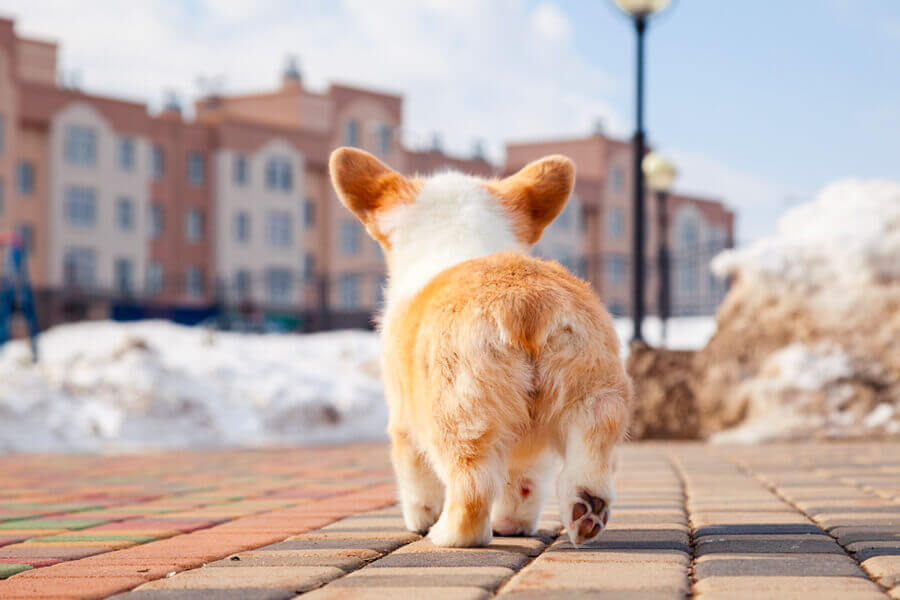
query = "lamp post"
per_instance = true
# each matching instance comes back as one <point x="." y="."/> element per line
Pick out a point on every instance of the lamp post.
<point x="660" y="174"/>
<point x="640" y="11"/>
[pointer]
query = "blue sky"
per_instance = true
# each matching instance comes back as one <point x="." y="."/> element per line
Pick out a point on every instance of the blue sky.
<point x="759" y="103"/>
<point x="797" y="92"/>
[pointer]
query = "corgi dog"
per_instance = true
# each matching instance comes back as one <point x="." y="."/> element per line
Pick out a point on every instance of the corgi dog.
<point x="495" y="364"/>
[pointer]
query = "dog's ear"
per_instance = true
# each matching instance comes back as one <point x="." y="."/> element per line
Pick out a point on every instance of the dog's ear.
<point x="363" y="183"/>
<point x="537" y="194"/>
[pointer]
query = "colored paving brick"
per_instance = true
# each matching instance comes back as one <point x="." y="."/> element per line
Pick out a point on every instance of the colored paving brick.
<point x="43" y="524"/>
<point x="9" y="569"/>
<point x="811" y="520"/>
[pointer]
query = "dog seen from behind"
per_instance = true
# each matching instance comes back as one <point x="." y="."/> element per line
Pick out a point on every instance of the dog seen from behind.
<point x="496" y="365"/>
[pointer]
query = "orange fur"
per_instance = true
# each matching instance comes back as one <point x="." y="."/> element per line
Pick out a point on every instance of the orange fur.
<point x="495" y="362"/>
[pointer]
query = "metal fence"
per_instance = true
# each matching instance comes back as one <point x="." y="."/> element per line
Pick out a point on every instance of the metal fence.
<point x="278" y="299"/>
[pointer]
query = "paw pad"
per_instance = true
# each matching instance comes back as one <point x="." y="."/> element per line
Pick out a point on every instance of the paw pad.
<point x="590" y="514"/>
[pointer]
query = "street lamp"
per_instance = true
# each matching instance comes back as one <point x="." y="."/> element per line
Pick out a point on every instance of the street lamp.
<point x="640" y="11"/>
<point x="660" y="174"/>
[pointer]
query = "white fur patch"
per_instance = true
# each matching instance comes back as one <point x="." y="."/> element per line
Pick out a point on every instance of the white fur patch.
<point x="454" y="219"/>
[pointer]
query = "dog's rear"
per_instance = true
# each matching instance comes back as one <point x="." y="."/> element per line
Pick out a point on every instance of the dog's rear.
<point x="494" y="362"/>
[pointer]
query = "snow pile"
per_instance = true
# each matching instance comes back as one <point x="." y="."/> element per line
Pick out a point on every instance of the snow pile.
<point x="808" y="338"/>
<point x="104" y="386"/>
<point x="848" y="238"/>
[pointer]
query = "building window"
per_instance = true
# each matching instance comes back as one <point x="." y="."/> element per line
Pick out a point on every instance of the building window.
<point x="81" y="206"/>
<point x="278" y="174"/>
<point x="158" y="162"/>
<point x="242" y="227"/>
<point x="385" y="133"/>
<point x="380" y="288"/>
<point x="154" y="278"/>
<point x="26" y="232"/>
<point x="242" y="284"/>
<point x="351" y="133"/>
<point x="155" y="222"/>
<point x="349" y="238"/>
<point x="348" y="291"/>
<point x="309" y="267"/>
<point x="194" y="225"/>
<point x="615" y="269"/>
<point x="278" y="229"/>
<point x="687" y="277"/>
<point x="278" y="286"/>
<point x="125" y="214"/>
<point x="78" y="268"/>
<point x="126" y="153"/>
<point x="617" y="308"/>
<point x="25" y="178"/>
<point x="615" y="222"/>
<point x="617" y="179"/>
<point x="195" y="168"/>
<point x="80" y="145"/>
<point x="309" y="213"/>
<point x="124" y="277"/>
<point x="241" y="170"/>
<point x="193" y="282"/>
<point x="689" y="232"/>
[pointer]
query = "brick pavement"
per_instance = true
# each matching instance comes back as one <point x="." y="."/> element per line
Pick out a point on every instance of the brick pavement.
<point x="786" y="521"/>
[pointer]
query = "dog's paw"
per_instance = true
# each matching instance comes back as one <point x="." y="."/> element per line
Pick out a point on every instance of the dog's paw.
<point x="419" y="517"/>
<point x="586" y="516"/>
<point x="445" y="534"/>
<point x="511" y="526"/>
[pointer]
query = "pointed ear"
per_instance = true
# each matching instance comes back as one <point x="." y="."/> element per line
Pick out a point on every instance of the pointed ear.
<point x="363" y="183"/>
<point x="537" y="194"/>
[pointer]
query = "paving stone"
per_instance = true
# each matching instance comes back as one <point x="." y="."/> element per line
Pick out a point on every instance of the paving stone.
<point x="751" y="565"/>
<point x="425" y="554"/>
<point x="788" y="583"/>
<point x="778" y="543"/>
<point x="377" y="545"/>
<point x="636" y="539"/>
<point x="794" y="594"/>
<point x="52" y="588"/>
<point x="346" y="559"/>
<point x="850" y="535"/>
<point x="25" y="551"/>
<point x="593" y="594"/>
<point x="397" y="593"/>
<point x="886" y="569"/>
<point x="299" y="579"/>
<point x="44" y="524"/>
<point x="863" y="550"/>
<point x="758" y="529"/>
<point x="488" y="578"/>
<point x="230" y="594"/>
<point x="610" y="577"/>
<point x="191" y="507"/>
<point x="7" y="570"/>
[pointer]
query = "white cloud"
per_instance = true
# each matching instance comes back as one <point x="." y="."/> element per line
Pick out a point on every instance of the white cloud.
<point x="550" y="22"/>
<point x="468" y="69"/>
<point x="498" y="71"/>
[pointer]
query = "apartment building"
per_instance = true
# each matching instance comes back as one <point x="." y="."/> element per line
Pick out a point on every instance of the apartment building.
<point x="601" y="205"/>
<point x="156" y="214"/>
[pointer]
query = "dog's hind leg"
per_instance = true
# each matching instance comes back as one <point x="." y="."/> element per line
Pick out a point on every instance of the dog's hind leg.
<point x="585" y="488"/>
<point x="518" y="506"/>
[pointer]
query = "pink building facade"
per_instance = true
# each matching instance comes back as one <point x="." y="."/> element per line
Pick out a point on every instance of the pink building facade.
<point x="157" y="214"/>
